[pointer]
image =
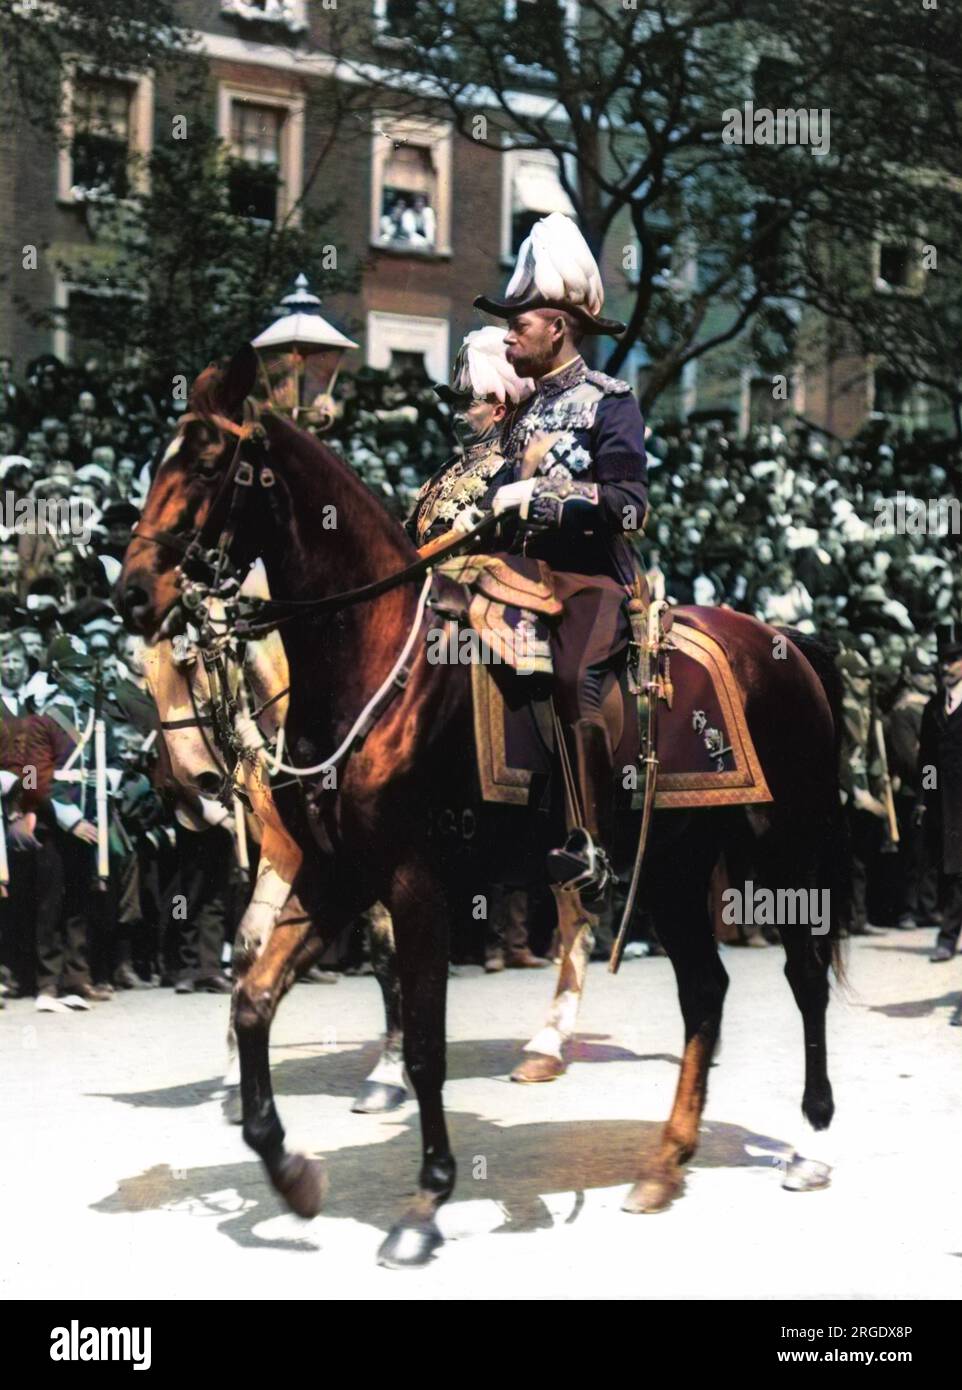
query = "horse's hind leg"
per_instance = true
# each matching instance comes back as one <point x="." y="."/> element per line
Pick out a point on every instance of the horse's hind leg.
<point x="298" y="1179"/>
<point x="545" y="1059"/>
<point x="684" y="926"/>
<point x="421" y="933"/>
<point x="385" y="1088"/>
<point x="806" y="967"/>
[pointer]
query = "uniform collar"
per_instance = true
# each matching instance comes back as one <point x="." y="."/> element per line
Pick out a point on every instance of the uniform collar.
<point x="482" y="448"/>
<point x="563" y="377"/>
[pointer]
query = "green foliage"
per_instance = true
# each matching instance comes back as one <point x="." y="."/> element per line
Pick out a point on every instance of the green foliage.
<point x="35" y="35"/>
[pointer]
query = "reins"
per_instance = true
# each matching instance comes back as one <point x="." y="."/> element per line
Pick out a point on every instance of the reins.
<point x="272" y="613"/>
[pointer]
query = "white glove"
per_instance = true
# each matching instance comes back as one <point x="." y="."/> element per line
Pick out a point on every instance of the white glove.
<point x="514" y="495"/>
<point x="467" y="520"/>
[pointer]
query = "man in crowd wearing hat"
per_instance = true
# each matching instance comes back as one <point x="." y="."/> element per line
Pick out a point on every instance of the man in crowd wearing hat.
<point x="917" y="876"/>
<point x="577" y="490"/>
<point x="940" y="782"/>
<point x="65" y="885"/>
<point x="860" y="780"/>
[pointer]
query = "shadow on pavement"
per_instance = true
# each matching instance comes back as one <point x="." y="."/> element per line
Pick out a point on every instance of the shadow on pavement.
<point x="915" y="1008"/>
<point x="368" y="1183"/>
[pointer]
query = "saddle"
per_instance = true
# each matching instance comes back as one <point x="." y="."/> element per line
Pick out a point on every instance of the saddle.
<point x="706" y="753"/>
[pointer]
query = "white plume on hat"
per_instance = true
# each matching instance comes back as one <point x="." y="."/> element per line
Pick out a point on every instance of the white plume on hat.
<point x="555" y="261"/>
<point x="483" y="369"/>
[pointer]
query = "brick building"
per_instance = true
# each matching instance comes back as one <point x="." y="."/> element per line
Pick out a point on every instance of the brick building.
<point x="432" y="216"/>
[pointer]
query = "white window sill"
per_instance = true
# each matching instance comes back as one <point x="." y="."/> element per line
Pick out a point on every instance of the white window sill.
<point x="421" y="253"/>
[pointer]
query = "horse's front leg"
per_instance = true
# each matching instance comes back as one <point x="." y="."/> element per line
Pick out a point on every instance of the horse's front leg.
<point x="545" y="1059"/>
<point x="420" y="916"/>
<point x="385" y="1089"/>
<point x="298" y="1179"/>
<point x="271" y="894"/>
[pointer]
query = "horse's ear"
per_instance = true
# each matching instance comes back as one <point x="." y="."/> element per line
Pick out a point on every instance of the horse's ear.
<point x="238" y="379"/>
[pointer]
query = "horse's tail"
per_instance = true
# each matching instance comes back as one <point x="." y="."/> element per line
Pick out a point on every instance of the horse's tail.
<point x="834" y="848"/>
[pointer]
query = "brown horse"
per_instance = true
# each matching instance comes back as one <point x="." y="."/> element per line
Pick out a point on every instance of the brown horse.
<point x="355" y="644"/>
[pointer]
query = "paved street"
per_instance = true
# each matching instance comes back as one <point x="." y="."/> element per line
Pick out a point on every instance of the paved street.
<point x="118" y="1177"/>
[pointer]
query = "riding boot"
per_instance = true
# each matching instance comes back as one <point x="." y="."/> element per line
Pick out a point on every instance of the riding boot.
<point x="582" y="862"/>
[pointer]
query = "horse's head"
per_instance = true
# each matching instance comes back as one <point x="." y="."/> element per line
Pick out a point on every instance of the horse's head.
<point x="189" y="494"/>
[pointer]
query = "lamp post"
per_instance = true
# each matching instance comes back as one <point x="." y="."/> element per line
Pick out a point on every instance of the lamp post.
<point x="300" y="356"/>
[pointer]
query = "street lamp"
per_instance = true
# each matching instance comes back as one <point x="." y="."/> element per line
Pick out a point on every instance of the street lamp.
<point x="300" y="357"/>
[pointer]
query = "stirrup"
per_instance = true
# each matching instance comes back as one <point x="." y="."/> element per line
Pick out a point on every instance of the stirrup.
<point x="580" y="865"/>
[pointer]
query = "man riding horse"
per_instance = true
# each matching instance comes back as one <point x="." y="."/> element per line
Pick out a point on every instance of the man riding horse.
<point x="565" y="470"/>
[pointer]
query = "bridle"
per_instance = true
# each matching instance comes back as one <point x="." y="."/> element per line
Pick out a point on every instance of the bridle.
<point x="240" y="478"/>
<point x="266" y="615"/>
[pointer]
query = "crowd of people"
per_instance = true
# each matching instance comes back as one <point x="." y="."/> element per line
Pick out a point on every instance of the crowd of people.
<point x="784" y="524"/>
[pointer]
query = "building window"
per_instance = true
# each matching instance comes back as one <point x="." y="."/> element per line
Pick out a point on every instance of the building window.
<point x="398" y="22"/>
<point x="411" y="187"/>
<point x="897" y="267"/>
<point x="76" y="339"/>
<point x="288" y="14"/>
<point x="100" y="146"/>
<point x="531" y="189"/>
<point x="773" y="82"/>
<point x="255" y="141"/>
<point x="892" y="392"/>
<point x="108" y="120"/>
<point x="399" y="340"/>
<point x="264" y="133"/>
<point x="396" y="18"/>
<point x="535" y="30"/>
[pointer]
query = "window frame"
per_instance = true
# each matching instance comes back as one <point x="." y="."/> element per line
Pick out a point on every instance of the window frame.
<point x="572" y="22"/>
<point x="382" y="326"/>
<point x="383" y="38"/>
<point x="509" y="160"/>
<point x="140" y="134"/>
<point x="434" y="135"/>
<point x="62" y="338"/>
<point x="290" y="182"/>
<point x="916" y="275"/>
<point x="241" y="10"/>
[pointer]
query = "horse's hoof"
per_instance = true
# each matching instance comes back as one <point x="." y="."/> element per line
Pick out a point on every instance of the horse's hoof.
<point x="376" y="1098"/>
<point x="650" y="1195"/>
<point x="302" y="1182"/>
<point x="410" y="1247"/>
<point x="538" y="1066"/>
<point x="806" y="1175"/>
<point x="232" y="1107"/>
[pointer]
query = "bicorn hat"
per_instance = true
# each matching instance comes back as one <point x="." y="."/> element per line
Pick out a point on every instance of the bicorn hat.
<point x="482" y="369"/>
<point x="555" y="270"/>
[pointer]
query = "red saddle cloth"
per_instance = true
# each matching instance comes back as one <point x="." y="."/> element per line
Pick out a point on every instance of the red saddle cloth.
<point x="706" y="753"/>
